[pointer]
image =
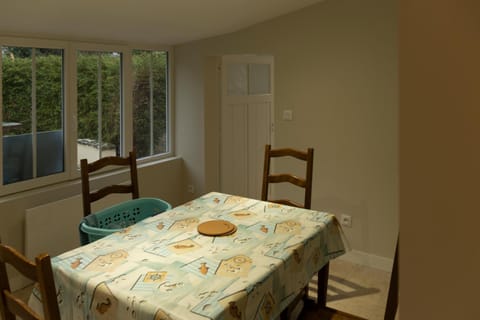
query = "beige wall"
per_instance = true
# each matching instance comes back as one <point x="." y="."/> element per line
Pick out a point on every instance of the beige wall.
<point x="439" y="159"/>
<point x="163" y="180"/>
<point x="336" y="68"/>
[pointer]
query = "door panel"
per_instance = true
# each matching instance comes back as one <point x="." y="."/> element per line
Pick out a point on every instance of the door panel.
<point x="246" y="122"/>
<point x="258" y="135"/>
<point x="234" y="149"/>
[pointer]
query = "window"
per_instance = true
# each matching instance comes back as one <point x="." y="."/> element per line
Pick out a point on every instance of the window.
<point x="150" y="73"/>
<point x="32" y="113"/>
<point x="98" y="104"/>
<point x="64" y="101"/>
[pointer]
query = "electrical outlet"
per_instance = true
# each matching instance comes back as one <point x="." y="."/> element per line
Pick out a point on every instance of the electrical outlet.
<point x="346" y="220"/>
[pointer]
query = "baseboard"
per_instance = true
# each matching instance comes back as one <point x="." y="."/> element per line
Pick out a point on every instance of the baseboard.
<point x="369" y="260"/>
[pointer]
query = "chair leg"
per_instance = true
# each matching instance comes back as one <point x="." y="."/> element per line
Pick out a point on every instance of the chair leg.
<point x="322" y="285"/>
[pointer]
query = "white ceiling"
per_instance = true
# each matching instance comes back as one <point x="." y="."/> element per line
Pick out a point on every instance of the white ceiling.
<point x="139" y="21"/>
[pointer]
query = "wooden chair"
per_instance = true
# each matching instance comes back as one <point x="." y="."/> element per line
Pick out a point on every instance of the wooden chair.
<point x="88" y="168"/>
<point x="305" y="182"/>
<point x="40" y="272"/>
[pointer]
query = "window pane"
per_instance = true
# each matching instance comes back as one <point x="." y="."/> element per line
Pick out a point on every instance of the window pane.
<point x="159" y="61"/>
<point x="49" y="111"/>
<point x="99" y="104"/>
<point x="258" y="78"/>
<point x="237" y="79"/>
<point x="32" y="88"/>
<point x="150" y="108"/>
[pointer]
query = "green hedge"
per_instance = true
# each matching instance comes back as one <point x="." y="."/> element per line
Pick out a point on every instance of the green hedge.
<point x="17" y="96"/>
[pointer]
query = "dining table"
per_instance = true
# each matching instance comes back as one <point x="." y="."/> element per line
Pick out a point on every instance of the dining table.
<point x="168" y="267"/>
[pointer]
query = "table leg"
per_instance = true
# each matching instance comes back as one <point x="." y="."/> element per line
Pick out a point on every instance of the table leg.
<point x="322" y="285"/>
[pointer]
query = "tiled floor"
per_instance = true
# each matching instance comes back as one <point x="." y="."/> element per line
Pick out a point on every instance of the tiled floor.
<point x="356" y="289"/>
<point x="352" y="288"/>
<point x="24" y="293"/>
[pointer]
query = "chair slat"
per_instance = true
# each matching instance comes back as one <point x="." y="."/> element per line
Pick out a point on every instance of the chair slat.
<point x="108" y="161"/>
<point x="287" y="152"/>
<point x="19" y="307"/>
<point x="101" y="193"/>
<point x="39" y="272"/>
<point x="11" y="256"/>
<point x="285" y="177"/>
<point x="88" y="196"/>
<point x="305" y="183"/>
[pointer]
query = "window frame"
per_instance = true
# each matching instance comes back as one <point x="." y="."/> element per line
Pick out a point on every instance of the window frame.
<point x="170" y="125"/>
<point x="124" y="128"/>
<point x="70" y="49"/>
<point x="53" y="178"/>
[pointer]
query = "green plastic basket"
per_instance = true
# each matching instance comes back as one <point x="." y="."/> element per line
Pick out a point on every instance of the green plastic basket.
<point x="118" y="217"/>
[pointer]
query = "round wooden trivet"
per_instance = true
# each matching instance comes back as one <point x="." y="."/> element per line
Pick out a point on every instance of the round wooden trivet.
<point x="216" y="228"/>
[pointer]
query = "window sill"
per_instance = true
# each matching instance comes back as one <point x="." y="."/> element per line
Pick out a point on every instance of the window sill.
<point x="68" y="188"/>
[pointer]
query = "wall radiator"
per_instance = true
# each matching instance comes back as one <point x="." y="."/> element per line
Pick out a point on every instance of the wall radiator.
<point x="53" y="227"/>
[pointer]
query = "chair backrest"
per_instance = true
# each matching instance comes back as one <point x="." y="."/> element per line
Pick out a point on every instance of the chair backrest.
<point x="88" y="168"/>
<point x="305" y="182"/>
<point x="40" y="272"/>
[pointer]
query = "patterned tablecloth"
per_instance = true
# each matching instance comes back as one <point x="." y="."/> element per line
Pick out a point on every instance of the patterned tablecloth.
<point x="162" y="268"/>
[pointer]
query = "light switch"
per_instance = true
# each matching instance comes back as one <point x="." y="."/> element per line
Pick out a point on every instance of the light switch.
<point x="287" y="115"/>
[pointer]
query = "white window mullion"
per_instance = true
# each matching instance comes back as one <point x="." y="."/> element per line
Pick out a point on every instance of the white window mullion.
<point x="151" y="84"/>
<point x="70" y="148"/>
<point x="127" y="105"/>
<point x="34" y="114"/>
<point x="99" y="102"/>
<point x="1" y="114"/>
<point x="169" y="119"/>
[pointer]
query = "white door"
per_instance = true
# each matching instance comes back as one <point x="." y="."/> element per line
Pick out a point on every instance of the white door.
<point x="246" y="122"/>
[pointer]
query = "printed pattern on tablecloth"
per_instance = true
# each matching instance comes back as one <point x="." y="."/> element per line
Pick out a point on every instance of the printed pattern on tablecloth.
<point x="162" y="268"/>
